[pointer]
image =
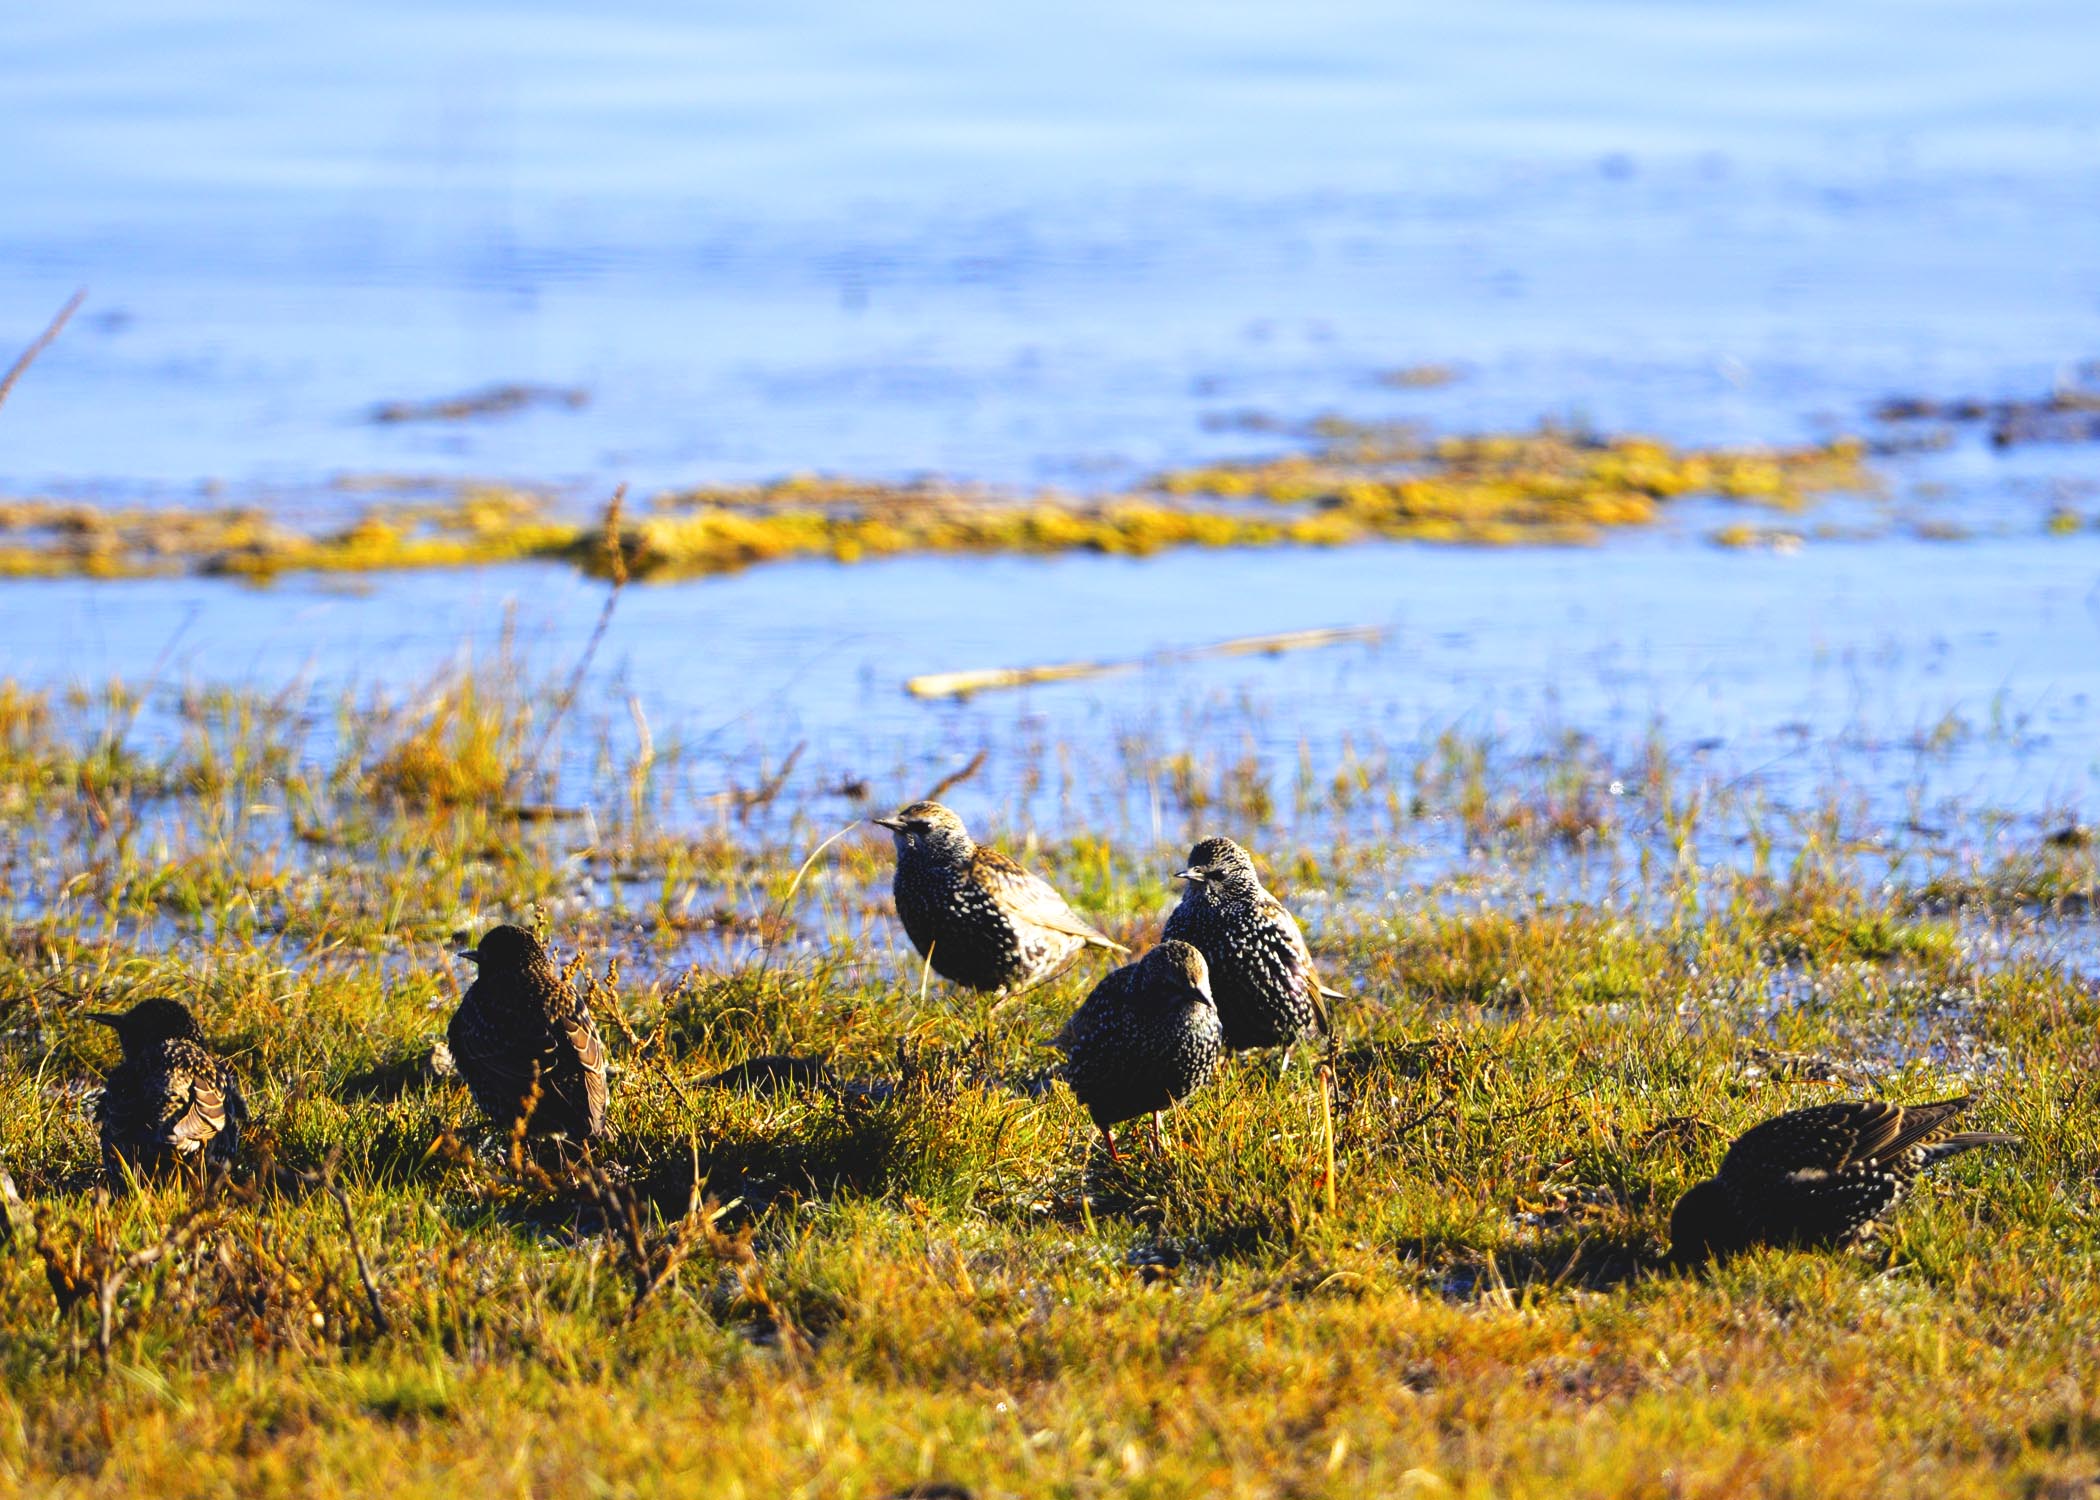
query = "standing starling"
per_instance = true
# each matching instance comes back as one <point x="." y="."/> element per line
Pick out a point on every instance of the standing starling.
<point x="520" y="1024"/>
<point x="1260" y="969"/>
<point x="172" y="1099"/>
<point x="1819" y="1176"/>
<point x="1147" y="1037"/>
<point x="977" y="917"/>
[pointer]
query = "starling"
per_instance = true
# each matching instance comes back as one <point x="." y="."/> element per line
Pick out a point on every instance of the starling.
<point x="1147" y="1037"/>
<point x="1819" y="1176"/>
<point x="172" y="1099"/>
<point x="1260" y="969"/>
<point x="977" y="917"/>
<point x="521" y="1025"/>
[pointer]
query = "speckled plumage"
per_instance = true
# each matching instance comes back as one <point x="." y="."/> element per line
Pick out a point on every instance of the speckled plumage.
<point x="977" y="917"/>
<point x="1146" y="1038"/>
<point x="172" y="1099"/>
<point x="1819" y="1176"/>
<point x="518" y="1022"/>
<point x="1261" y="972"/>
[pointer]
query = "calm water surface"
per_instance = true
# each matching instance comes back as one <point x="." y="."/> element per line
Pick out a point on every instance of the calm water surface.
<point x="1044" y="244"/>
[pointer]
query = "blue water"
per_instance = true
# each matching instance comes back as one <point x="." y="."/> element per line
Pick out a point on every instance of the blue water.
<point x="1033" y="244"/>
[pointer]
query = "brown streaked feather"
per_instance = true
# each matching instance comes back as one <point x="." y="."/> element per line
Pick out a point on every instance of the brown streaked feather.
<point x="1319" y="994"/>
<point x="1034" y="900"/>
<point x="1885" y="1130"/>
<point x="191" y="1112"/>
<point x="580" y="1031"/>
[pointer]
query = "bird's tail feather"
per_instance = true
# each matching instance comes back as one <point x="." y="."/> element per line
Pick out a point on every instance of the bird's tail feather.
<point x="1969" y="1140"/>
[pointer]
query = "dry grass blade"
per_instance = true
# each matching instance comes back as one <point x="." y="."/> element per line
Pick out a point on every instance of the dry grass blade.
<point x="10" y="1205"/>
<point x="769" y="788"/>
<point x="326" y="1180"/>
<point x="42" y="342"/>
<point x="95" y="1265"/>
<point x="955" y="779"/>
<point x="1327" y="1184"/>
<point x="649" y="1260"/>
<point x="801" y="873"/>
<point x="616" y="565"/>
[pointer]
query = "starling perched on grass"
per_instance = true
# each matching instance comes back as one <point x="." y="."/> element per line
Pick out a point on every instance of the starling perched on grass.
<point x="1260" y="969"/>
<point x="171" y="1100"/>
<point x="521" y="1025"/>
<point x="1819" y="1176"/>
<point x="1147" y="1037"/>
<point x="977" y="917"/>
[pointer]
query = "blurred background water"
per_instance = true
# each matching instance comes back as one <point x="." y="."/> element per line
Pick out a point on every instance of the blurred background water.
<point x="1030" y="242"/>
<point x="1034" y="244"/>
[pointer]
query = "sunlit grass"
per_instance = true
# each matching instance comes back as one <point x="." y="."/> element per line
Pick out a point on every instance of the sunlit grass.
<point x="944" y="1276"/>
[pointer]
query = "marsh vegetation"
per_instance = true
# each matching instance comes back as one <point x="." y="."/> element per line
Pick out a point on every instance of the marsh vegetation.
<point x="844" y="1232"/>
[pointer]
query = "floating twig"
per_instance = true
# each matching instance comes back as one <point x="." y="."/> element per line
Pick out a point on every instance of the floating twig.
<point x="965" y="683"/>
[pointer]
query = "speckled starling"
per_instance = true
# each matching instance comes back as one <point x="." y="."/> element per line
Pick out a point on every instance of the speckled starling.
<point x="171" y="1100"/>
<point x="1260" y="969"/>
<point x="1819" y="1176"/>
<point x="1146" y="1038"/>
<point x="977" y="917"/>
<point x="520" y="1024"/>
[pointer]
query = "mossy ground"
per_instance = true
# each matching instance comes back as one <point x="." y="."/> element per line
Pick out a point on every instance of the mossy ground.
<point x="912" y="1261"/>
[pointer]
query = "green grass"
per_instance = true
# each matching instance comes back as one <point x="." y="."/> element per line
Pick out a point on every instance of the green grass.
<point x="913" y="1261"/>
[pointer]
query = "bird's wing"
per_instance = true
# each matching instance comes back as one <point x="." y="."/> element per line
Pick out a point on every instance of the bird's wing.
<point x="1034" y="900"/>
<point x="1318" y="994"/>
<point x="1834" y="1137"/>
<point x="117" y="1110"/>
<point x="579" y="1034"/>
<point x="1278" y="919"/>
<point x="1914" y="1125"/>
<point x="1112" y="991"/>
<point x="482" y="1056"/>
<point x="192" y="1109"/>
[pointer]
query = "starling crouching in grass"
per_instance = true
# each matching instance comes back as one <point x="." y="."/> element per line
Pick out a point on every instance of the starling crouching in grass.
<point x="520" y="1027"/>
<point x="975" y="916"/>
<point x="1818" y="1177"/>
<point x="171" y="1100"/>
<point x="1260" y="969"/>
<point x="1146" y="1038"/>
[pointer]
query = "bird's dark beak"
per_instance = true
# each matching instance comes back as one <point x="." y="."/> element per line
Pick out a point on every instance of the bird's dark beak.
<point x="107" y="1018"/>
<point x="1195" y="875"/>
<point x="890" y="823"/>
<point x="471" y="955"/>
